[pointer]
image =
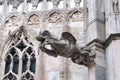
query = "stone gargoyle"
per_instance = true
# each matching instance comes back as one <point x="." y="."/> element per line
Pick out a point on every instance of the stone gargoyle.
<point x="66" y="47"/>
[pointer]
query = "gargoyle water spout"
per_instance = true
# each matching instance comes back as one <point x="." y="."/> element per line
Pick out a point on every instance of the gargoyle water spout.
<point x="66" y="47"/>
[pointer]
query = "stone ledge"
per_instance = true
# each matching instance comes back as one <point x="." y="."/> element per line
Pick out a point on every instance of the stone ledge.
<point x="96" y="20"/>
<point x="97" y="43"/>
<point x="104" y="44"/>
<point x="115" y="36"/>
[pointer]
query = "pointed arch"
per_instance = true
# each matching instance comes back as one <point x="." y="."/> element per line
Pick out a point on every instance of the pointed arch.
<point x="55" y="16"/>
<point x="13" y="20"/>
<point x="33" y="19"/>
<point x="20" y="52"/>
<point x="76" y="15"/>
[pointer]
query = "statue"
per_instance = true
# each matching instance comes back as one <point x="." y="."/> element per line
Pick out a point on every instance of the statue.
<point x="115" y="5"/>
<point x="65" y="46"/>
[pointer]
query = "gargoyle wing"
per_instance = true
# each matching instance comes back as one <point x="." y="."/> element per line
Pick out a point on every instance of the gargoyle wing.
<point x="68" y="36"/>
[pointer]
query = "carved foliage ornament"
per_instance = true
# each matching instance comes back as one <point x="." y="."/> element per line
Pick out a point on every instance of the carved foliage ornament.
<point x="76" y="16"/>
<point x="33" y="20"/>
<point x="66" y="47"/>
<point x="13" y="20"/>
<point x="54" y="18"/>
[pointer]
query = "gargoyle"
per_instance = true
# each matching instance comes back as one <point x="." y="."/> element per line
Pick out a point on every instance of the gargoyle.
<point x="66" y="47"/>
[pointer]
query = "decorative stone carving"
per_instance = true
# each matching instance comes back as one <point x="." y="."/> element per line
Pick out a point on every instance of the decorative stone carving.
<point x="33" y="20"/>
<point x="35" y="3"/>
<point x="13" y="20"/>
<point x="77" y="3"/>
<point x="54" y="18"/>
<point x="55" y="3"/>
<point x="115" y="5"/>
<point x="76" y="16"/>
<point x="66" y="47"/>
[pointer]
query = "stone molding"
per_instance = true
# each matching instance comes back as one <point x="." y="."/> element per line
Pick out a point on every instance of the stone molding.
<point x="111" y="38"/>
<point x="96" y="20"/>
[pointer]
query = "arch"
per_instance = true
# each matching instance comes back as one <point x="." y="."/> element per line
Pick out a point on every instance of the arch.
<point x="19" y="43"/>
<point x="10" y="76"/>
<point x="55" y="16"/>
<point x="75" y="15"/>
<point x="13" y="20"/>
<point x="33" y="18"/>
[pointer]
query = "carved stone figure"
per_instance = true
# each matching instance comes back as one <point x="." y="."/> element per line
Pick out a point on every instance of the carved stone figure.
<point x="66" y="47"/>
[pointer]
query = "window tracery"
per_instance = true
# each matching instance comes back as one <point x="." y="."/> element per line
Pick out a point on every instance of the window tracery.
<point x="21" y="52"/>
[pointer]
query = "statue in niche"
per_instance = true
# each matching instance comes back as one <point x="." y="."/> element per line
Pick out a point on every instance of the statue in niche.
<point x="115" y="6"/>
<point x="33" y="20"/>
<point x="55" y="3"/>
<point x="65" y="46"/>
<point x="14" y="20"/>
<point x="15" y="4"/>
<point x="54" y="18"/>
<point x="76" y="16"/>
<point x="77" y="3"/>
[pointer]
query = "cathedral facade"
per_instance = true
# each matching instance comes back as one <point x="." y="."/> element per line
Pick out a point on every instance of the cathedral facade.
<point x="94" y="23"/>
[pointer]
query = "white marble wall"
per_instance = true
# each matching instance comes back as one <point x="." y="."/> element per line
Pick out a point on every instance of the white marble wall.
<point x="96" y="27"/>
<point x="113" y="60"/>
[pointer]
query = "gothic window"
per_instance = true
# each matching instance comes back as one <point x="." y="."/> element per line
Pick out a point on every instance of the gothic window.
<point x="20" y="58"/>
